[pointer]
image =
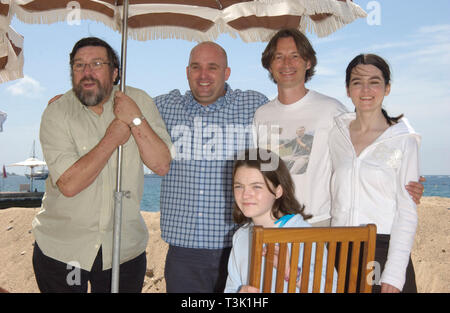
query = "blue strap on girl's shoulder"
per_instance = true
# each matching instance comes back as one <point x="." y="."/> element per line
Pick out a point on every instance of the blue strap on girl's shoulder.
<point x="283" y="220"/>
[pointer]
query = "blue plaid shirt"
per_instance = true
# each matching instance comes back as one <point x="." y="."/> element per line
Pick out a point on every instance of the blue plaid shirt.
<point x="196" y="194"/>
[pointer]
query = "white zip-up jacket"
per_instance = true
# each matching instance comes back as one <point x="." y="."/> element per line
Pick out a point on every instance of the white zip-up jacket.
<point x="370" y="188"/>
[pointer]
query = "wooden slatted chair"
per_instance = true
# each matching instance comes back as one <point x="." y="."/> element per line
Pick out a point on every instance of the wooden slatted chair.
<point x="335" y="240"/>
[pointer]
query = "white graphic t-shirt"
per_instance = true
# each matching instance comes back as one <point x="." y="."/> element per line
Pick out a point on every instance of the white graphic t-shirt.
<point x="298" y="133"/>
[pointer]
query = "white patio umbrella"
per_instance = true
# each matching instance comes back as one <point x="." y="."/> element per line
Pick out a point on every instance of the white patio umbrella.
<point x="195" y="20"/>
<point x="31" y="163"/>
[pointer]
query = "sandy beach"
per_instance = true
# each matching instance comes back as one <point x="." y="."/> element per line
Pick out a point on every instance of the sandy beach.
<point x="430" y="253"/>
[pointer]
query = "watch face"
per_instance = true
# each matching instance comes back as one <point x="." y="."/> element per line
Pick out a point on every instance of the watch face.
<point x="137" y="121"/>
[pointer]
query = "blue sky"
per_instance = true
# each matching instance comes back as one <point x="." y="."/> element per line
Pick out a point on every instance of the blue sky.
<point x="413" y="36"/>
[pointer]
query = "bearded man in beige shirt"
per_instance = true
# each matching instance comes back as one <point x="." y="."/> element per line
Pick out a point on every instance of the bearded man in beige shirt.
<point x="79" y="134"/>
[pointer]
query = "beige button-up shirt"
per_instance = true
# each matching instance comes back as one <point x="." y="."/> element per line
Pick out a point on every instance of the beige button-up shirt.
<point x="73" y="229"/>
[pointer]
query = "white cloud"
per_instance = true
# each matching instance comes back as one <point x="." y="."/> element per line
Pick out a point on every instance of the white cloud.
<point x="429" y="55"/>
<point x="434" y="29"/>
<point x="426" y="40"/>
<point x="428" y="46"/>
<point x="391" y="45"/>
<point x="27" y="86"/>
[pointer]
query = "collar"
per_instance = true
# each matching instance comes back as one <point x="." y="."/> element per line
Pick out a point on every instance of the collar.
<point x="284" y="219"/>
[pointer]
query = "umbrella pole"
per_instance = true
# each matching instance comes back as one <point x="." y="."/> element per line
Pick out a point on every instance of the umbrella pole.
<point x="118" y="194"/>
<point x="31" y="179"/>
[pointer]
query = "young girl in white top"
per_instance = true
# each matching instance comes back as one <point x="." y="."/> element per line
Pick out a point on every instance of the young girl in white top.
<point x="264" y="195"/>
<point x="373" y="157"/>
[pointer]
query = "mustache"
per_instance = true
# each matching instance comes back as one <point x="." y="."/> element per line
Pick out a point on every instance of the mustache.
<point x="89" y="79"/>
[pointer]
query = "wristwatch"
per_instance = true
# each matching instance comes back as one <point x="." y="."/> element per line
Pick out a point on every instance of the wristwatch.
<point x="136" y="121"/>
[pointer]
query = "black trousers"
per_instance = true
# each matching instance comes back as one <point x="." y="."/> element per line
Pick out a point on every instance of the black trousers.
<point x="55" y="276"/>
<point x="381" y="252"/>
<point x="196" y="270"/>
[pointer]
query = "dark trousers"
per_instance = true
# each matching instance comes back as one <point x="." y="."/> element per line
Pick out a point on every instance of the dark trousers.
<point x="196" y="270"/>
<point x="55" y="276"/>
<point x="381" y="252"/>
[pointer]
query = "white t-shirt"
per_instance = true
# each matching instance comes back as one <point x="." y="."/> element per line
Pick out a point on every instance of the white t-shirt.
<point x="298" y="133"/>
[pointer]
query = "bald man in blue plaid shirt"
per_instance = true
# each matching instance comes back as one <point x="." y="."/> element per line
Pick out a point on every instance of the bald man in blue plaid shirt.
<point x="209" y="125"/>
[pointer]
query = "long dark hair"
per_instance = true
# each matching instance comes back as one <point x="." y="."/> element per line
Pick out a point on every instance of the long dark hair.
<point x="381" y="64"/>
<point x="97" y="42"/>
<point x="277" y="176"/>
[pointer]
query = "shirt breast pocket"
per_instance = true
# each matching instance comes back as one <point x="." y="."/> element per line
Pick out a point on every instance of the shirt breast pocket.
<point x="82" y="135"/>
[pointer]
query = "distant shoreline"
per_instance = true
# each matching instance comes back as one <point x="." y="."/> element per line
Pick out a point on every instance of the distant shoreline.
<point x="435" y="186"/>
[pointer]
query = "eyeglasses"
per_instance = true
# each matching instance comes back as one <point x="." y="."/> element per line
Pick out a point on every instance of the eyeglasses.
<point x="94" y="66"/>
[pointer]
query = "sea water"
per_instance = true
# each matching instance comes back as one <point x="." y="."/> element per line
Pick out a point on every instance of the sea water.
<point x="436" y="185"/>
<point x="150" y="198"/>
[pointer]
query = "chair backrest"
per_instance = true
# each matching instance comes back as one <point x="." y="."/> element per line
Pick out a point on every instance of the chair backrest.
<point x="343" y="246"/>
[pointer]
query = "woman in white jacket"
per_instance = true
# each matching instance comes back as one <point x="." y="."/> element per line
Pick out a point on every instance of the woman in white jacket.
<point x="373" y="157"/>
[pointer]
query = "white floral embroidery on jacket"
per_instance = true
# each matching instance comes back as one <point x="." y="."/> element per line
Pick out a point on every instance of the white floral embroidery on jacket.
<point x="391" y="157"/>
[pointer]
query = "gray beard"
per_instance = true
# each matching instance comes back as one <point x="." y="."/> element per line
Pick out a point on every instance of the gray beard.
<point x="89" y="98"/>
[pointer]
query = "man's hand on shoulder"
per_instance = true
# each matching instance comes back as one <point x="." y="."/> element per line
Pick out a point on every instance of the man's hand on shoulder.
<point x="415" y="189"/>
<point x="54" y="99"/>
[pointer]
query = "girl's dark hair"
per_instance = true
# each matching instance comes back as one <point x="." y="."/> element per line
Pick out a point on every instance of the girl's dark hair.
<point x="304" y="47"/>
<point x="97" y="42"/>
<point x="381" y="64"/>
<point x="279" y="176"/>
